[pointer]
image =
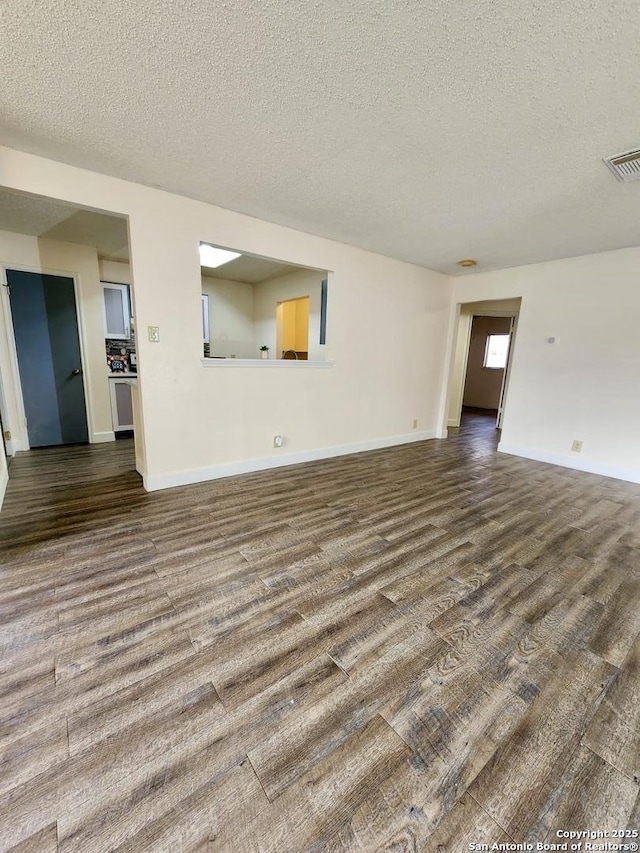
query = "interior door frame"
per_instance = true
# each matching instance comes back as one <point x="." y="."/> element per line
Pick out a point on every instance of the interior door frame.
<point x="507" y="372"/>
<point x="23" y="442"/>
<point x="486" y="312"/>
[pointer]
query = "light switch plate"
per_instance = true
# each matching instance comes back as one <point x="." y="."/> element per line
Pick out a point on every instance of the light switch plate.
<point x="154" y="334"/>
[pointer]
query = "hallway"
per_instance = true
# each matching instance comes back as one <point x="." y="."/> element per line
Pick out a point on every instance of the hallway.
<point x="409" y="649"/>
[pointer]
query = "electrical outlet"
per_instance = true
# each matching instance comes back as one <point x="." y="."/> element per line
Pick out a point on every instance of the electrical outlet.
<point x="278" y="441"/>
<point x="415" y="423"/>
<point x="154" y="334"/>
<point x="576" y="446"/>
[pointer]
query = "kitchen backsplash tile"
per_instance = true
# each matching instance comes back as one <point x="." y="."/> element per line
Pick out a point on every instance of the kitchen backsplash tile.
<point x="113" y="347"/>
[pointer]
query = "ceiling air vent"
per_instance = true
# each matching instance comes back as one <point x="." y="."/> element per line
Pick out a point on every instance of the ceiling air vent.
<point x="626" y="167"/>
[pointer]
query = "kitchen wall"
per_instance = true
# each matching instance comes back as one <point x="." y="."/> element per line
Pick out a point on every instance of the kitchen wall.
<point x="62" y="259"/>
<point x="292" y="285"/>
<point x="387" y="337"/>
<point x="483" y="384"/>
<point x="230" y="317"/>
<point x="584" y="386"/>
<point x="117" y="272"/>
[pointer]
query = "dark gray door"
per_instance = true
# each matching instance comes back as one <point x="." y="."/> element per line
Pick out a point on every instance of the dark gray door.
<point x="45" y="324"/>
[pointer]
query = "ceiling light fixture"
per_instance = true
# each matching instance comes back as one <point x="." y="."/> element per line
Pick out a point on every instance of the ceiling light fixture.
<point x="467" y="262"/>
<point x="212" y="256"/>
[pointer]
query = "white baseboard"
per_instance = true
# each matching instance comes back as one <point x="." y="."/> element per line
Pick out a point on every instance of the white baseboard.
<point x="103" y="437"/>
<point x="590" y="466"/>
<point x="4" y="480"/>
<point x="154" y="482"/>
<point x="452" y="422"/>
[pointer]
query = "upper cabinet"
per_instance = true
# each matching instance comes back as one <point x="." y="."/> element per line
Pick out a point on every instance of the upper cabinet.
<point x="117" y="311"/>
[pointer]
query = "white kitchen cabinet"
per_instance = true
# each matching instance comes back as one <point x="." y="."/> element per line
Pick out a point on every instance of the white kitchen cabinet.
<point x="117" y="311"/>
<point x="121" y="405"/>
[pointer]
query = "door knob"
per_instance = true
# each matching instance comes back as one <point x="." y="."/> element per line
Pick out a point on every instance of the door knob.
<point x="77" y="371"/>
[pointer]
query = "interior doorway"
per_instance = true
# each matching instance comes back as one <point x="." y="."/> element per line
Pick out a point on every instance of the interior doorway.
<point x="58" y="265"/>
<point x="482" y="360"/>
<point x="487" y="358"/>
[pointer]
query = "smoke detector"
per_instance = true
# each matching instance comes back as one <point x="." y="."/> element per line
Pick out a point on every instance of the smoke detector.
<point x="626" y="167"/>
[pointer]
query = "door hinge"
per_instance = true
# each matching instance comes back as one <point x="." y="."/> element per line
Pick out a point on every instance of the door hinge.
<point x="7" y="435"/>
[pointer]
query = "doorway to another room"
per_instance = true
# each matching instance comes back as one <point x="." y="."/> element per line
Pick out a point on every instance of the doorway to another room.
<point x="486" y="366"/>
<point x="67" y="361"/>
<point x="482" y="359"/>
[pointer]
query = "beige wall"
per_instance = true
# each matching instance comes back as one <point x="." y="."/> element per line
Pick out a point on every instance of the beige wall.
<point x="230" y="317"/>
<point x="201" y="421"/>
<point x="64" y="259"/>
<point x="293" y="285"/>
<point x="117" y="272"/>
<point x="482" y="384"/>
<point x="585" y="385"/>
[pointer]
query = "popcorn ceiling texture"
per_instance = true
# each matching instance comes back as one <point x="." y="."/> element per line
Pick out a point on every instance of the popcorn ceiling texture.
<point x="427" y="131"/>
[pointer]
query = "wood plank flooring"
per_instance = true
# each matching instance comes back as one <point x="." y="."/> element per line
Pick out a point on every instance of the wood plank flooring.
<point x="412" y="649"/>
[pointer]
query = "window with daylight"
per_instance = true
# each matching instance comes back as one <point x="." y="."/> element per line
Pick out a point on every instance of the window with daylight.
<point x="496" y="351"/>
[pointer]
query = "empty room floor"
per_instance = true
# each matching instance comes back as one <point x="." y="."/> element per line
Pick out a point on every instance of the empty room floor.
<point x="418" y="648"/>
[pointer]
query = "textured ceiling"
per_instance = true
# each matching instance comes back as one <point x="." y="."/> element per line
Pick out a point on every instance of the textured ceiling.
<point x="427" y="131"/>
<point x="55" y="220"/>
<point x="27" y="215"/>
<point x="249" y="269"/>
<point x="58" y="221"/>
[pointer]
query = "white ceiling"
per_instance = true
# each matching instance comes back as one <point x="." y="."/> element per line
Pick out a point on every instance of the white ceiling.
<point x="427" y="131"/>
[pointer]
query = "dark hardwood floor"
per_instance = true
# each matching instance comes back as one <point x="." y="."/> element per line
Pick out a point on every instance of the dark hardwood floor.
<point x="418" y="648"/>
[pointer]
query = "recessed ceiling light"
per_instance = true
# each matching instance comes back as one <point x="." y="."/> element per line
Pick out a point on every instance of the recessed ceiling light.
<point x="467" y="262"/>
<point x="212" y="256"/>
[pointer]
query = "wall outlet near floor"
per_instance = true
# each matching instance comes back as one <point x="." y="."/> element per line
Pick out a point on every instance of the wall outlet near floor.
<point x="576" y="446"/>
<point x="415" y="423"/>
<point x="278" y="440"/>
<point x="154" y="334"/>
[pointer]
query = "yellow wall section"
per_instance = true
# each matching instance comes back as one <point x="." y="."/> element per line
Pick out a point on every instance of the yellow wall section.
<point x="302" y="325"/>
<point x="295" y="324"/>
<point x="288" y="313"/>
